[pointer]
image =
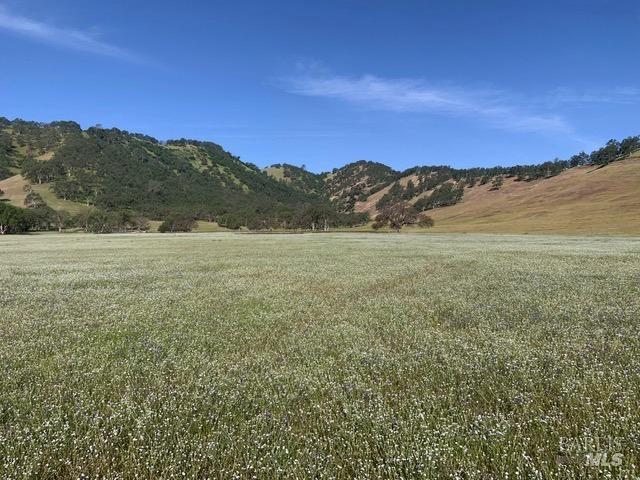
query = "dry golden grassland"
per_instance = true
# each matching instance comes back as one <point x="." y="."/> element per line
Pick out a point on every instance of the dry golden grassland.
<point x="16" y="188"/>
<point x="583" y="201"/>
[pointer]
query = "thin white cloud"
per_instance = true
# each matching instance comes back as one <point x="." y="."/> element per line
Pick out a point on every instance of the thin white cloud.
<point x="410" y="95"/>
<point x="64" y="37"/>
<point x="615" y="95"/>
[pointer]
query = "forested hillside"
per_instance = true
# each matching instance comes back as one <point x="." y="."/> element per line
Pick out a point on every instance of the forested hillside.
<point x="114" y="170"/>
<point x="367" y="186"/>
<point x="57" y="174"/>
<point x="298" y="178"/>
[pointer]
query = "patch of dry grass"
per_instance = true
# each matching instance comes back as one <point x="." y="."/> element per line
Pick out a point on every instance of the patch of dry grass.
<point x="14" y="190"/>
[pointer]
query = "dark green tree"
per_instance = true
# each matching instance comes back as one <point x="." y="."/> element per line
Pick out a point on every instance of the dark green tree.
<point x="178" y="223"/>
<point x="497" y="183"/>
<point x="13" y="219"/>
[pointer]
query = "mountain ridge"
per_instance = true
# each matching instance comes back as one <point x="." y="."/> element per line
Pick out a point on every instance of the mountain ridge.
<point x="65" y="167"/>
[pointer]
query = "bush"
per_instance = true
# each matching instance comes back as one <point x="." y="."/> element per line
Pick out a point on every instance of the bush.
<point x="426" y="222"/>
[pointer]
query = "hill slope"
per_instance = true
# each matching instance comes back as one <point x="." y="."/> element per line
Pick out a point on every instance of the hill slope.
<point x="581" y="200"/>
<point x="67" y="168"/>
<point x="114" y="170"/>
<point x="298" y="178"/>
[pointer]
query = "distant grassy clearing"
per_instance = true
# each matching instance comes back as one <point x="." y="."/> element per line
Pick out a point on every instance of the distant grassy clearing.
<point x="15" y="191"/>
<point x="203" y="227"/>
<point x="309" y="356"/>
<point x="59" y="203"/>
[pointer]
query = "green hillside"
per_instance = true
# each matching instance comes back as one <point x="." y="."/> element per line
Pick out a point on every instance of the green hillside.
<point x="114" y="170"/>
<point x="59" y="166"/>
<point x="356" y="181"/>
<point x="298" y="178"/>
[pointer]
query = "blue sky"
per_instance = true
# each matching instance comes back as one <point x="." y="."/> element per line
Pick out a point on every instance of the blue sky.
<point x="324" y="83"/>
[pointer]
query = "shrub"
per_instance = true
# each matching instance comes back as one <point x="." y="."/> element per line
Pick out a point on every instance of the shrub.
<point x="426" y="222"/>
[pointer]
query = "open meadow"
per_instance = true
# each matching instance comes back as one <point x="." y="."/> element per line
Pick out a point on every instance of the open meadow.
<point x="319" y="356"/>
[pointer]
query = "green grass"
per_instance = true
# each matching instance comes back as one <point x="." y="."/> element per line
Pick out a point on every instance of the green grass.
<point x="318" y="356"/>
<point x="203" y="227"/>
<point x="58" y="203"/>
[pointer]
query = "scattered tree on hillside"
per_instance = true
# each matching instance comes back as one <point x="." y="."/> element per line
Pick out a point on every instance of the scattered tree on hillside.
<point x="612" y="151"/>
<point x="394" y="194"/>
<point x="112" y="170"/>
<point x="34" y="200"/>
<point x="629" y="145"/>
<point x="497" y="183"/>
<point x="442" y="196"/>
<point x="356" y="181"/>
<point x="581" y="158"/>
<point x="409" y="191"/>
<point x="40" y="171"/>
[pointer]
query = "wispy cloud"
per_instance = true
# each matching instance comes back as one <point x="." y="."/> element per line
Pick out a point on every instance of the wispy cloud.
<point x="70" y="38"/>
<point x="494" y="108"/>
<point x="616" y="96"/>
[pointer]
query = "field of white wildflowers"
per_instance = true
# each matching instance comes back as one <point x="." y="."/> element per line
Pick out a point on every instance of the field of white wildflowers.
<point x="319" y="356"/>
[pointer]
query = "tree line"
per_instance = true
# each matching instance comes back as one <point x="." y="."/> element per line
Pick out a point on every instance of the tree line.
<point x="113" y="170"/>
<point x="447" y="184"/>
<point x="40" y="219"/>
<point x="121" y="176"/>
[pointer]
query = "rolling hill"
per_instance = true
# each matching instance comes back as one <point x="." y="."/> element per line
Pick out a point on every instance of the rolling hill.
<point x="114" y="170"/>
<point x="585" y="199"/>
<point x="580" y="200"/>
<point x="64" y="167"/>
